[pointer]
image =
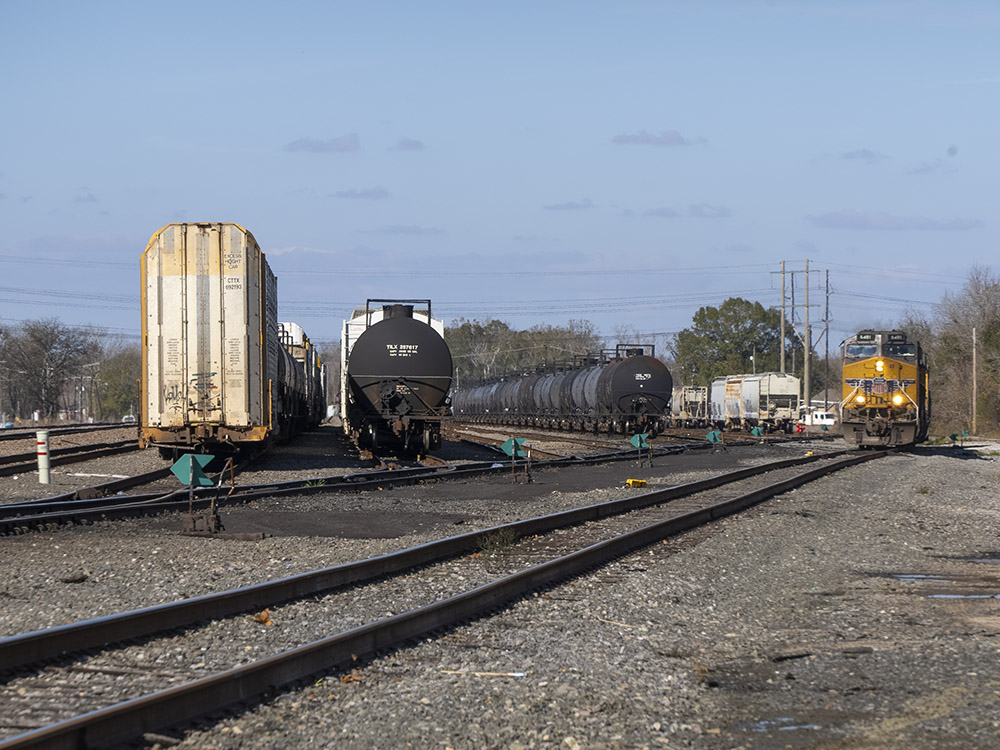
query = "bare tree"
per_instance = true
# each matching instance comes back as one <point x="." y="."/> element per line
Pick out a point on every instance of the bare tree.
<point x="977" y="306"/>
<point x="40" y="358"/>
<point x="482" y="351"/>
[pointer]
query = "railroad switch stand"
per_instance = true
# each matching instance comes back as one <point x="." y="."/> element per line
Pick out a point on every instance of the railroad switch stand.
<point x="206" y="523"/>
<point x="190" y="470"/>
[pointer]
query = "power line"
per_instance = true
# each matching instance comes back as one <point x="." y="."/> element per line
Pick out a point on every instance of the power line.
<point x="882" y="298"/>
<point x="381" y="272"/>
<point x="71" y="261"/>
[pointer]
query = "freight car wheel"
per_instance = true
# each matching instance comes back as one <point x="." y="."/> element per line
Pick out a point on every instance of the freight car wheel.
<point x="428" y="440"/>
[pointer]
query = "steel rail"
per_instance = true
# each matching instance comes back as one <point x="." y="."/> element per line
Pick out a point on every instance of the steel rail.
<point x="40" y="645"/>
<point x="100" y="491"/>
<point x="131" y="719"/>
<point x="18" y="518"/>
<point x="29" y="434"/>
<point x="21" y="462"/>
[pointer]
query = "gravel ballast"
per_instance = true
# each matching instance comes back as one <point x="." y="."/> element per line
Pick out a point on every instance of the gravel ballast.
<point x="856" y="612"/>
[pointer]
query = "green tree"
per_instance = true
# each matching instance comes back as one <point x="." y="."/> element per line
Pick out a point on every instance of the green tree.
<point x="736" y="337"/>
<point x="492" y="349"/>
<point x="117" y="382"/>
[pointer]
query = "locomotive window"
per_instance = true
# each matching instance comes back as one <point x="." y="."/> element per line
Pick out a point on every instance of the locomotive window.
<point x="860" y="351"/>
<point x="899" y="350"/>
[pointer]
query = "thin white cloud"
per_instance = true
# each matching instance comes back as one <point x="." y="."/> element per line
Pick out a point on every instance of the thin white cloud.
<point x="340" y="145"/>
<point x="708" y="211"/>
<point x="883" y="222"/>
<point x="407" y="144"/>
<point x="367" y="194"/>
<point x="664" y="138"/>
<point x="864" y="154"/>
<point x="273" y="252"/>
<point x="664" y="212"/>
<point x="407" y="229"/>
<point x="584" y="205"/>
<point x="697" y="211"/>
<point x="936" y="165"/>
<point x="931" y="167"/>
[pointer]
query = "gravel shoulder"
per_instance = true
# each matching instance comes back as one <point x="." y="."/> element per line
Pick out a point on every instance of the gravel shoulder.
<point x="856" y="612"/>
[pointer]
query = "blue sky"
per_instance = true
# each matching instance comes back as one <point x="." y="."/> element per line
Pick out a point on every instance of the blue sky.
<point x="624" y="163"/>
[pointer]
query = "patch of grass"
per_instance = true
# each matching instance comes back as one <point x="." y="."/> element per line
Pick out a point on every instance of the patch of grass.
<point x="922" y="490"/>
<point x="498" y="541"/>
<point x="317" y="483"/>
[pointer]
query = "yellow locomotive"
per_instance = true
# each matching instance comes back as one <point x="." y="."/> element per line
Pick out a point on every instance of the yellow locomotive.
<point x="886" y="400"/>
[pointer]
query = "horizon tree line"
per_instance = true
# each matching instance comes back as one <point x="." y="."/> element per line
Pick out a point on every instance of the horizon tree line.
<point x="52" y="368"/>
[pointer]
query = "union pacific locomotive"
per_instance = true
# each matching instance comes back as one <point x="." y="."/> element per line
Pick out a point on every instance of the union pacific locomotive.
<point x="624" y="391"/>
<point x="886" y="398"/>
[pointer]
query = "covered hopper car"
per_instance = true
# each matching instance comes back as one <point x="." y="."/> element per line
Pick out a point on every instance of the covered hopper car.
<point x="397" y="372"/>
<point x="215" y="375"/>
<point x="625" y="391"/>
<point x="689" y="406"/>
<point x="769" y="399"/>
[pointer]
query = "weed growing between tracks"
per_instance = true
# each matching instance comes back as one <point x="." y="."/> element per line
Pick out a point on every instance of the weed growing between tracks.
<point x="496" y="548"/>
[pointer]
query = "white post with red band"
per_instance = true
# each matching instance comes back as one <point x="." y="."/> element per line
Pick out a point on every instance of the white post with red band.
<point x="43" y="456"/>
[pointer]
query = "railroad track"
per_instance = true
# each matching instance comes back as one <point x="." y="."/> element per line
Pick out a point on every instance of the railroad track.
<point x="29" y="434"/>
<point x="51" y="513"/>
<point x="685" y="436"/>
<point x="459" y="431"/>
<point x="494" y="444"/>
<point x="49" y="703"/>
<point x="20" y="463"/>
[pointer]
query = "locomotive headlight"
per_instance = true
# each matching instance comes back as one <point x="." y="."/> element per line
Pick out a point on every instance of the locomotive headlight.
<point x="880" y="365"/>
<point x="897" y="399"/>
<point x="860" y="399"/>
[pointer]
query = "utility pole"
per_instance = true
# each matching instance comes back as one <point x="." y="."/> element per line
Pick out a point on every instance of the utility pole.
<point x="826" y="321"/>
<point x="806" y="336"/>
<point x="974" y="388"/>
<point x="793" y="318"/>
<point x="808" y="343"/>
<point x="782" y="316"/>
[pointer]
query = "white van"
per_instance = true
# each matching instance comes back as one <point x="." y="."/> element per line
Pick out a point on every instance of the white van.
<point x="818" y="418"/>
